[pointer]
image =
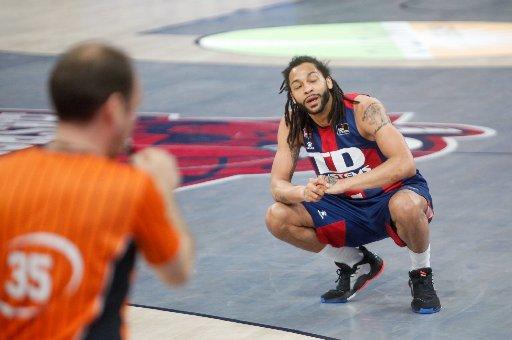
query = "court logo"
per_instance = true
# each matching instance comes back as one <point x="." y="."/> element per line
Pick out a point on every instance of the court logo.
<point x="210" y="149"/>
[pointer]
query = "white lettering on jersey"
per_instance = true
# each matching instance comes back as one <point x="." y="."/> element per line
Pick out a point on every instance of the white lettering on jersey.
<point x="345" y="160"/>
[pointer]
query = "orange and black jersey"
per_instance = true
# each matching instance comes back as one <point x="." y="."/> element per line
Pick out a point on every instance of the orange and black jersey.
<point x="70" y="225"/>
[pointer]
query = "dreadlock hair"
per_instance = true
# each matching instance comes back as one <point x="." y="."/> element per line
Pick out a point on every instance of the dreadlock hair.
<point x="296" y="117"/>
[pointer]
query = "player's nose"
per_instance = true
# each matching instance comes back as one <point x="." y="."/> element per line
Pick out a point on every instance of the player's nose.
<point x="308" y="88"/>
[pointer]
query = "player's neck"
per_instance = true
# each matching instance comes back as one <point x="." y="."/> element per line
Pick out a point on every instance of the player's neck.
<point x="71" y="138"/>
<point x="322" y="118"/>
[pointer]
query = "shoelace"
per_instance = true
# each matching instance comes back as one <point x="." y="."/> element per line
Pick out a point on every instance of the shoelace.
<point x="344" y="275"/>
<point x="425" y="286"/>
<point x="352" y="272"/>
<point x="340" y="275"/>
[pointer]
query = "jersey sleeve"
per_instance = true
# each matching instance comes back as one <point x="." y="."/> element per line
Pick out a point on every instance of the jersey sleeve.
<point x="154" y="235"/>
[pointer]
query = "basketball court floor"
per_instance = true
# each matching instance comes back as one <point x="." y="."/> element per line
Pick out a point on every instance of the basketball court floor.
<point x="211" y="75"/>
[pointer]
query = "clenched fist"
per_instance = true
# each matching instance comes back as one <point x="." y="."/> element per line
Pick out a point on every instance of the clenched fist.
<point x="160" y="165"/>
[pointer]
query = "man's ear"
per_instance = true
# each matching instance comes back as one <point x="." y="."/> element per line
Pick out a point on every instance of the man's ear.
<point x="112" y="108"/>
<point x="328" y="80"/>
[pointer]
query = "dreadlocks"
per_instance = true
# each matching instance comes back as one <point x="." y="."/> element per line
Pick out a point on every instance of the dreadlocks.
<point x="296" y="116"/>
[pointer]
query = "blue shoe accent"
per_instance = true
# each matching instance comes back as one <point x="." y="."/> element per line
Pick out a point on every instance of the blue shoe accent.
<point x="427" y="310"/>
<point x="338" y="300"/>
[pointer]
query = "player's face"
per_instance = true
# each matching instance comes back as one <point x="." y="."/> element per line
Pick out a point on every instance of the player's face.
<point x="309" y="88"/>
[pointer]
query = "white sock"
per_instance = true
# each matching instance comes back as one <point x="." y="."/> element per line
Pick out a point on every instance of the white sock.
<point x="420" y="260"/>
<point x="347" y="255"/>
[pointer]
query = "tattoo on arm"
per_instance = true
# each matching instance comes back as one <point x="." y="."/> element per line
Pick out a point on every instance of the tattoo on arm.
<point x="380" y="127"/>
<point x="331" y="179"/>
<point x="376" y="116"/>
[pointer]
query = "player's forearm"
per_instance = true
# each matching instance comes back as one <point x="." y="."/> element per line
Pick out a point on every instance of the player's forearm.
<point x="174" y="212"/>
<point x="187" y="257"/>
<point x="391" y="171"/>
<point x="178" y="270"/>
<point x="186" y="239"/>
<point x="286" y="192"/>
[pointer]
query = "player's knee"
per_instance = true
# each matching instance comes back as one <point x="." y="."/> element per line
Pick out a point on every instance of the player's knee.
<point x="275" y="218"/>
<point x="405" y="208"/>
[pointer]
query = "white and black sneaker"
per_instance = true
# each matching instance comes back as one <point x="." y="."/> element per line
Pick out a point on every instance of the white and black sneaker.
<point x="352" y="280"/>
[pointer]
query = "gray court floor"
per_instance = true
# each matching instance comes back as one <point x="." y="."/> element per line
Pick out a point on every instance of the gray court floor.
<point x="244" y="273"/>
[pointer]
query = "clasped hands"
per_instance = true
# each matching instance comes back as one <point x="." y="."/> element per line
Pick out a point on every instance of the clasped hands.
<point x="319" y="186"/>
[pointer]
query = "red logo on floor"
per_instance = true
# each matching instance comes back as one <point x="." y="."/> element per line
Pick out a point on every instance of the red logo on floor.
<point x="209" y="149"/>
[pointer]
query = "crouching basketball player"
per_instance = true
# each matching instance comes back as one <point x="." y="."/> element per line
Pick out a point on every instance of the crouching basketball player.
<point x="367" y="186"/>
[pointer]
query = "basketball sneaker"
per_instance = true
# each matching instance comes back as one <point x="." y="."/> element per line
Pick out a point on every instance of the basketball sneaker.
<point x="424" y="297"/>
<point x="353" y="279"/>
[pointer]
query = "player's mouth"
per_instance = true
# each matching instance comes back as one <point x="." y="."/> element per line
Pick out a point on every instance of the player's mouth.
<point x="312" y="101"/>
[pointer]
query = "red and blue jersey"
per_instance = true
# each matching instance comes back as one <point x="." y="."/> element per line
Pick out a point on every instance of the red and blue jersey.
<point x="343" y="152"/>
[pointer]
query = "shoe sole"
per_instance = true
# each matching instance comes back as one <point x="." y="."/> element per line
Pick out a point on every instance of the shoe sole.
<point x="338" y="300"/>
<point x="345" y="300"/>
<point x="427" y="310"/>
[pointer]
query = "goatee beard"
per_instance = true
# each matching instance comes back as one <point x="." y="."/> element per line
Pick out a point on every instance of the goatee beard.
<point x="324" y="98"/>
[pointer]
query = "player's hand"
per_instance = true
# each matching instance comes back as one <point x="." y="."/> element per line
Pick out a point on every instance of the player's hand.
<point x="160" y="165"/>
<point x="315" y="189"/>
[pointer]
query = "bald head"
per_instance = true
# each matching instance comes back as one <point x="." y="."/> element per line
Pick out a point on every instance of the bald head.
<point x="85" y="77"/>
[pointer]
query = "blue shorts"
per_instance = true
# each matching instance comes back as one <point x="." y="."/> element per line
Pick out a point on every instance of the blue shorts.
<point x="342" y="221"/>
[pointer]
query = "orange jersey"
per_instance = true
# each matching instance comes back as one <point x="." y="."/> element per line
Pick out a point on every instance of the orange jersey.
<point x="69" y="228"/>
